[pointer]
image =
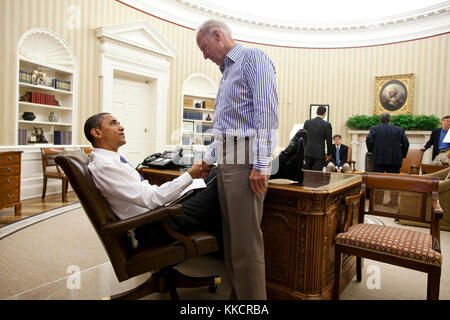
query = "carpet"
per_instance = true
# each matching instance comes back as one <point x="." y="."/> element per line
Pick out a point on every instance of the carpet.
<point x="18" y="225"/>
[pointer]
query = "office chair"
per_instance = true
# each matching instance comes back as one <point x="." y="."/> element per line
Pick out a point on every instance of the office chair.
<point x="128" y="262"/>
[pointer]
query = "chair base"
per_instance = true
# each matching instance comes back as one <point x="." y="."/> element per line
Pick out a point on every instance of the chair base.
<point x="167" y="280"/>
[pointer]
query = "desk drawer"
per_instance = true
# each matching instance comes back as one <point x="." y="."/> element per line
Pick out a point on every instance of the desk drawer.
<point x="9" y="170"/>
<point x="9" y="158"/>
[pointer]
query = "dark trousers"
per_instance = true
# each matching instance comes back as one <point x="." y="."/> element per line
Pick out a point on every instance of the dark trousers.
<point x="201" y="211"/>
<point x="386" y="168"/>
<point x="314" y="164"/>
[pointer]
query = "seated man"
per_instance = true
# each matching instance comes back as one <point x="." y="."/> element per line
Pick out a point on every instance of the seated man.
<point x="339" y="156"/>
<point x="129" y="194"/>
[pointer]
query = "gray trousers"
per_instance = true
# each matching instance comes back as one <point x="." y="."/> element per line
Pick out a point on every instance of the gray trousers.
<point x="242" y="211"/>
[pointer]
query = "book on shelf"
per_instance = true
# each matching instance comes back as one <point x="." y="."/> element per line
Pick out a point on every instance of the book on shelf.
<point x="63" y="137"/>
<point x="192" y="115"/>
<point x="22" y="137"/>
<point x="24" y="76"/>
<point x="61" y="84"/>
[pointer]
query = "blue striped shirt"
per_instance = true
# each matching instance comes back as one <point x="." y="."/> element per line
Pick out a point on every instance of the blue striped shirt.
<point x="247" y="103"/>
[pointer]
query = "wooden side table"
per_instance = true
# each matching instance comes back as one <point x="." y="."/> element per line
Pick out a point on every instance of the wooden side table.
<point x="10" y="163"/>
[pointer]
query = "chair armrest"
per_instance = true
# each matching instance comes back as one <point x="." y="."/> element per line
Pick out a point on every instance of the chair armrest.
<point x="188" y="243"/>
<point x="437" y="214"/>
<point x="350" y="203"/>
<point x="122" y="226"/>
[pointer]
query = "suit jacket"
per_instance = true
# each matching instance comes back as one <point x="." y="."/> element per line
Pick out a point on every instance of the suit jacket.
<point x="388" y="144"/>
<point x="434" y="141"/>
<point x="343" y="154"/>
<point x="319" y="131"/>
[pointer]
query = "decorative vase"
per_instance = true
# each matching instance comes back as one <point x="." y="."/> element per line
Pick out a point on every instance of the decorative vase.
<point x="53" y="117"/>
<point x="29" y="116"/>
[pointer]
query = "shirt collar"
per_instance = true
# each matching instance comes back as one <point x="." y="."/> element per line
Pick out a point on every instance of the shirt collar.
<point x="107" y="153"/>
<point x="232" y="55"/>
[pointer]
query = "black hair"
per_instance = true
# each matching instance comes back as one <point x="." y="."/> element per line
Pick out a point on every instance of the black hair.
<point x="94" y="121"/>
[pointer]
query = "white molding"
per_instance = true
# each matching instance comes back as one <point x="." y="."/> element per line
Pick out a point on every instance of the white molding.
<point x="417" y="24"/>
<point x="136" y="48"/>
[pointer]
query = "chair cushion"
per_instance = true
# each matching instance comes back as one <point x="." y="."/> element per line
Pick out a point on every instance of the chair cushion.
<point x="397" y="242"/>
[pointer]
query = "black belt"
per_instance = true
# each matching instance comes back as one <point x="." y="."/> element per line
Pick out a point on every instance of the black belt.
<point x="441" y="150"/>
<point x="228" y="139"/>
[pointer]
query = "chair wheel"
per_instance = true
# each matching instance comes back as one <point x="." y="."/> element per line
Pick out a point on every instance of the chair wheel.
<point x="212" y="288"/>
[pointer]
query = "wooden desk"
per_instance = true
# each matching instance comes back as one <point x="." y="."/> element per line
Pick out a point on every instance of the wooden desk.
<point x="299" y="225"/>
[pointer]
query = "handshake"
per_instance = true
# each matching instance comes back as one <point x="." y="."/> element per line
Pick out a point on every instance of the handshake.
<point x="200" y="169"/>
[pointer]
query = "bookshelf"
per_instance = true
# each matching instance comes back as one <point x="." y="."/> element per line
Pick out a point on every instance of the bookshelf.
<point x="46" y="99"/>
<point x="197" y="120"/>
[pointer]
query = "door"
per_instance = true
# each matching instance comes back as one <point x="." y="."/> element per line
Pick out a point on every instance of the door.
<point x="134" y="105"/>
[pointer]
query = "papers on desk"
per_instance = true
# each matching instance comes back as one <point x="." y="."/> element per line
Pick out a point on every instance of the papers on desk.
<point x="196" y="184"/>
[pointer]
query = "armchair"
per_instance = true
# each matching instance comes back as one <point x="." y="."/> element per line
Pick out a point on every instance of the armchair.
<point x="398" y="246"/>
<point x="444" y="201"/>
<point x="411" y="164"/>
<point x="128" y="262"/>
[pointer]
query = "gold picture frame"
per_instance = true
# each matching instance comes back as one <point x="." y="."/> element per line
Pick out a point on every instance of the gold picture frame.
<point x="394" y="94"/>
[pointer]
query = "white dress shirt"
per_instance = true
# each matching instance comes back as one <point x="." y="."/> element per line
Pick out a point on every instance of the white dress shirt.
<point x="122" y="187"/>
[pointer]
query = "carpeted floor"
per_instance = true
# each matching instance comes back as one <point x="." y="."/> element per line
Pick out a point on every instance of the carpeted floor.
<point x="39" y="261"/>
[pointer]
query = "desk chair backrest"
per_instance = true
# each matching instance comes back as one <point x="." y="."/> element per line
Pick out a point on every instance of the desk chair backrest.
<point x="96" y="207"/>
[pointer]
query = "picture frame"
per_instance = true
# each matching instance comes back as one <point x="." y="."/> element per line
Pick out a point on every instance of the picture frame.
<point x="394" y="94"/>
<point x="313" y="111"/>
<point x="188" y="126"/>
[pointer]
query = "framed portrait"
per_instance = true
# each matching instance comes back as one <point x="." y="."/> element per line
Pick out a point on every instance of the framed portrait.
<point x="313" y="111"/>
<point x="394" y="94"/>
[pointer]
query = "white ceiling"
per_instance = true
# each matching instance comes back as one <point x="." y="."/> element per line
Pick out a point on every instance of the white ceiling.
<point x="312" y="23"/>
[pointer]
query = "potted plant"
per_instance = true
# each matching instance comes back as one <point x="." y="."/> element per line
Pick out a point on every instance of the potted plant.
<point x="406" y="121"/>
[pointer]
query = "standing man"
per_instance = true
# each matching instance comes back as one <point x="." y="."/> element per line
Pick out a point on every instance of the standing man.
<point x="339" y="156"/>
<point x="319" y="131"/>
<point x="388" y="144"/>
<point x="437" y="141"/>
<point x="246" y="117"/>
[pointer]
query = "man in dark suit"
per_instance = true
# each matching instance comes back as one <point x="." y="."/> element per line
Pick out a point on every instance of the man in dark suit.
<point x="388" y="144"/>
<point x="318" y="131"/>
<point x="436" y="140"/>
<point x="339" y="156"/>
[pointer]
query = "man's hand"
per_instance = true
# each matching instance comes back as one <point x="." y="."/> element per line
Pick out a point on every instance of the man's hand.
<point x="196" y="171"/>
<point x="258" y="181"/>
<point x="422" y="148"/>
<point x="327" y="157"/>
<point x="200" y="169"/>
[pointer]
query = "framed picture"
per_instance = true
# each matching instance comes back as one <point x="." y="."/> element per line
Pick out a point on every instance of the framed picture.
<point x="394" y="94"/>
<point x="313" y="111"/>
<point x="188" y="126"/>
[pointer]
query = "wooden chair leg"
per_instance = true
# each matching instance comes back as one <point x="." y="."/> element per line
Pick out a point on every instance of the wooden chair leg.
<point x="44" y="187"/>
<point x="337" y="273"/>
<point x="433" y="286"/>
<point x="358" y="269"/>
<point x="65" y="185"/>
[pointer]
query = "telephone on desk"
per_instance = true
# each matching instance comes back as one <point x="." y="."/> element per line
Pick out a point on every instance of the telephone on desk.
<point x="166" y="160"/>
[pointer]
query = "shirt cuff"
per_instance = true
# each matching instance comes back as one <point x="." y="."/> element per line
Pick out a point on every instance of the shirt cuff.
<point x="262" y="163"/>
<point x="185" y="179"/>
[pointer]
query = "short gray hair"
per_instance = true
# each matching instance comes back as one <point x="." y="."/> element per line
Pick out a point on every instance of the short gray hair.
<point x="385" y="118"/>
<point x="210" y="25"/>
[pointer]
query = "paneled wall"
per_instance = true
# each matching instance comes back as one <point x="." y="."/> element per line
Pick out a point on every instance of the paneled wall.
<point x="342" y="78"/>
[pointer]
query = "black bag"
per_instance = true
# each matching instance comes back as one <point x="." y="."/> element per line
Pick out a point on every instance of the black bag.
<point x="289" y="164"/>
